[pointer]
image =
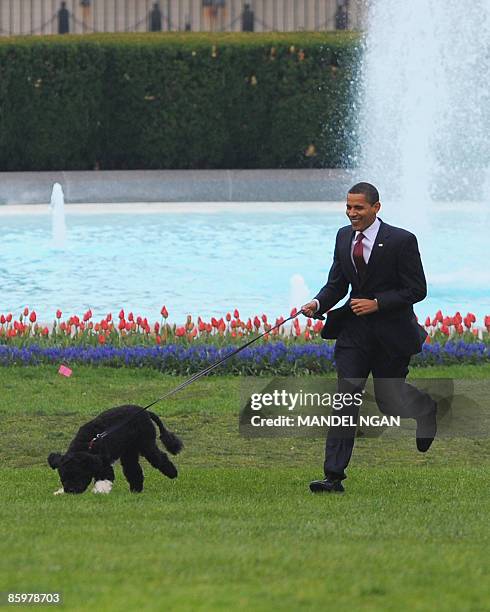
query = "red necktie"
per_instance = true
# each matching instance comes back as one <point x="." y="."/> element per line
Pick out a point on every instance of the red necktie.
<point x="358" y="255"/>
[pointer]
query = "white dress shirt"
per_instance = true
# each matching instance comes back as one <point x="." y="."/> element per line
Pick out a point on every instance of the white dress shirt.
<point x="370" y="234"/>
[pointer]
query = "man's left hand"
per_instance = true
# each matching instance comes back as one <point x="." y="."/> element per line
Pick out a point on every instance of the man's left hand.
<point x="362" y="306"/>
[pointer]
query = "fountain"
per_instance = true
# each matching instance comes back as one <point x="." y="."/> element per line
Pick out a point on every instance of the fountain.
<point x="299" y="292"/>
<point x="57" y="206"/>
<point x="426" y="119"/>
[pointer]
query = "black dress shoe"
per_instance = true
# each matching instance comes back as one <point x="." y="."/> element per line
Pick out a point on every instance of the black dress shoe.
<point x="426" y="430"/>
<point x="327" y="485"/>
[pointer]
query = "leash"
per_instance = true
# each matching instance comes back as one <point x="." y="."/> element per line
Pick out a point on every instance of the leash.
<point x="193" y="378"/>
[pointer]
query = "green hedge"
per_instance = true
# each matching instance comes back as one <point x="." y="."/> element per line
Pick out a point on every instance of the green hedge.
<point x="177" y="101"/>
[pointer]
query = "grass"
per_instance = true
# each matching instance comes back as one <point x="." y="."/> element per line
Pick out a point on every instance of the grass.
<point x="238" y="529"/>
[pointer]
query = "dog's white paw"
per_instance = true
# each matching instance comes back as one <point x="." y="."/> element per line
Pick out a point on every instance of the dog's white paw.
<point x="102" y="486"/>
<point x="59" y="491"/>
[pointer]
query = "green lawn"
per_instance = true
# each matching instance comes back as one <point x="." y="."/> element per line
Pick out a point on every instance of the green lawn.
<point x="238" y="529"/>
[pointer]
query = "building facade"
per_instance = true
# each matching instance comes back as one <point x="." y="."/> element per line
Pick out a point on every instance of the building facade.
<point x="40" y="17"/>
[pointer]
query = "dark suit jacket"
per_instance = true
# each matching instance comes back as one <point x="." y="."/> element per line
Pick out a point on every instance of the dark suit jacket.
<point x="394" y="277"/>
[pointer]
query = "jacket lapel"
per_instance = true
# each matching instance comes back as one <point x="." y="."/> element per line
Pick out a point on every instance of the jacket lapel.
<point x="346" y="249"/>
<point x="379" y="248"/>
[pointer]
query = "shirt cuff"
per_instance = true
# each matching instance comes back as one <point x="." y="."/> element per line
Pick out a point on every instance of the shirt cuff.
<point x="317" y="304"/>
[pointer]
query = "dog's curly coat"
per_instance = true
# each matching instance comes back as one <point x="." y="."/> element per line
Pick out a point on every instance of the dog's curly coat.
<point x="80" y="465"/>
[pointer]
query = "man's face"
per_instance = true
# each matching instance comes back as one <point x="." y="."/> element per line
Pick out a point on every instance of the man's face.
<point x="361" y="214"/>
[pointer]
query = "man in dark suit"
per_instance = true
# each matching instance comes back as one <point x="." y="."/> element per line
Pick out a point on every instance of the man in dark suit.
<point x="376" y="329"/>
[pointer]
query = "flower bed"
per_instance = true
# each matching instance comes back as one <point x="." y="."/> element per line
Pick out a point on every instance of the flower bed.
<point x="186" y="349"/>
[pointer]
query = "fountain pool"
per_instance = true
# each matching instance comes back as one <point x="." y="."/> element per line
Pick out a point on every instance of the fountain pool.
<point x="206" y="259"/>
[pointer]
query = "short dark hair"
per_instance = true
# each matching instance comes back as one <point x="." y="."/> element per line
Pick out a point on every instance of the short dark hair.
<point x="368" y="190"/>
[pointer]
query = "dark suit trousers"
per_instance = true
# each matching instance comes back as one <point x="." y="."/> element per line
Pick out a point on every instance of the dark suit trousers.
<point x="357" y="354"/>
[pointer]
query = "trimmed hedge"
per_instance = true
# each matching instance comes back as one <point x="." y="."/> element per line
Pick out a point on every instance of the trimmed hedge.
<point x="177" y="100"/>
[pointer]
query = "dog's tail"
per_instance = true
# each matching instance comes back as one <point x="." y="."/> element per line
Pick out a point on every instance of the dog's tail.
<point x="171" y="442"/>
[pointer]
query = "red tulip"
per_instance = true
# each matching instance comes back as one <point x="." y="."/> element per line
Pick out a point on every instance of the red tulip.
<point x="467" y="321"/>
<point x="164" y="312"/>
<point x="104" y="324"/>
<point x="2" y="319"/>
<point x="228" y="317"/>
<point x="194" y="332"/>
<point x="129" y="326"/>
<point x="156" y="327"/>
<point x="58" y="314"/>
<point x="445" y="330"/>
<point x="249" y="324"/>
<point x="236" y="314"/>
<point x="294" y="312"/>
<point x="9" y="317"/>
<point x="158" y="339"/>
<point x="264" y="318"/>
<point x="26" y="311"/>
<point x="121" y="314"/>
<point x="109" y="318"/>
<point x="130" y="316"/>
<point x="472" y="317"/>
<point x="257" y="322"/>
<point x="439" y="316"/>
<point x="307" y="335"/>
<point x="45" y="331"/>
<point x="318" y="327"/>
<point x="101" y="339"/>
<point x="459" y="328"/>
<point x="180" y="331"/>
<point x="427" y="322"/>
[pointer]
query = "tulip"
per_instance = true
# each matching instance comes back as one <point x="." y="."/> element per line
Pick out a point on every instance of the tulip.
<point x="158" y="339"/>
<point x="445" y="330"/>
<point x="102" y="339"/>
<point x="294" y="312"/>
<point x="427" y="322"/>
<point x="164" y="312"/>
<point x="264" y="318"/>
<point x="307" y="335"/>
<point x="45" y="331"/>
<point x="180" y="331"/>
<point x="439" y="316"/>
<point x="459" y="328"/>
<point x="257" y="322"/>
<point x="104" y="325"/>
<point x="58" y="314"/>
<point x="194" y="332"/>
<point x="228" y="317"/>
<point x="2" y="319"/>
<point x="109" y="318"/>
<point x="121" y="314"/>
<point x="236" y="314"/>
<point x="26" y="311"/>
<point x="9" y="317"/>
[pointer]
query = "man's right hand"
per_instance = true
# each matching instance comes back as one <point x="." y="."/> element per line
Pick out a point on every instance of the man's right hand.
<point x="310" y="308"/>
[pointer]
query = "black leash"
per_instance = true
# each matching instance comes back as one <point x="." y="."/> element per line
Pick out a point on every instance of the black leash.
<point x="193" y="378"/>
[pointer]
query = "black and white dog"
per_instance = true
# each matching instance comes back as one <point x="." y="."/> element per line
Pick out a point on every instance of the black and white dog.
<point x="134" y="435"/>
